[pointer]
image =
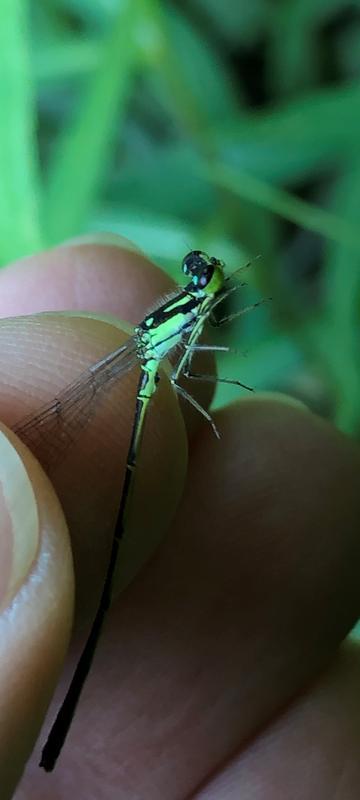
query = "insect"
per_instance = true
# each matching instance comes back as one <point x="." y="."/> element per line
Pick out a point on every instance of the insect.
<point x="177" y="324"/>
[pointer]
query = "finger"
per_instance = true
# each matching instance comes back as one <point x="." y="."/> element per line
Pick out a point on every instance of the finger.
<point x="41" y="355"/>
<point x="243" y="604"/>
<point x="311" y="751"/>
<point x="36" y="601"/>
<point x="111" y="278"/>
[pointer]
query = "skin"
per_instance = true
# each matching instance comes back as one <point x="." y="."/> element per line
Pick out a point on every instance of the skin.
<point x="221" y="672"/>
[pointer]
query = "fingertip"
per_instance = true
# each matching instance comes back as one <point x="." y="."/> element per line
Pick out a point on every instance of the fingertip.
<point x="87" y="461"/>
<point x="83" y="275"/>
<point x="36" y="615"/>
<point x="282" y="488"/>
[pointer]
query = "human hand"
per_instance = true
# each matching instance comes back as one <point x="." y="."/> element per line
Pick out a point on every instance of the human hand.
<point x="218" y="674"/>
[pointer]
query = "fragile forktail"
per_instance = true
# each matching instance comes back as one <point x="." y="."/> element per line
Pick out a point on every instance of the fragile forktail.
<point x="176" y="323"/>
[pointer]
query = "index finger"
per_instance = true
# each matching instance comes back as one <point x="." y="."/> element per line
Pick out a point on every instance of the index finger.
<point x="40" y="355"/>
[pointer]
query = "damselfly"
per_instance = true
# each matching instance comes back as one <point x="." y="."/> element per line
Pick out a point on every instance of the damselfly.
<point x="175" y="325"/>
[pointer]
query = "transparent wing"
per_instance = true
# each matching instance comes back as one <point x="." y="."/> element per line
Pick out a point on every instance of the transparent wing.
<point x="57" y="425"/>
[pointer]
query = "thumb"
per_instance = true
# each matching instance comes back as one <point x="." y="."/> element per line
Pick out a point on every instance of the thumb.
<point x="36" y="602"/>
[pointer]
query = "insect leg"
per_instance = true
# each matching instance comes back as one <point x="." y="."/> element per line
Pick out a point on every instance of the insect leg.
<point x="216" y="323"/>
<point x="186" y="396"/>
<point x="243" y="268"/>
<point x="201" y="348"/>
<point x="214" y="379"/>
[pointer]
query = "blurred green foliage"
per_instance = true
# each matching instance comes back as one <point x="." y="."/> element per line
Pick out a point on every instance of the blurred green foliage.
<point x="232" y="127"/>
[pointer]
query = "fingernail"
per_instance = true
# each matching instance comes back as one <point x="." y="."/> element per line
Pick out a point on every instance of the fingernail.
<point x="19" y="522"/>
<point x="104" y="238"/>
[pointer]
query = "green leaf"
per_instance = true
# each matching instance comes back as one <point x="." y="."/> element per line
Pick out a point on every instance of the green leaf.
<point x="184" y="53"/>
<point x="84" y="149"/>
<point x="266" y="365"/>
<point x="66" y="59"/>
<point x="236" y="20"/>
<point x="313" y="218"/>
<point x="293" y="54"/>
<point x="95" y="14"/>
<point x="297" y="139"/>
<point x="342" y="297"/>
<point x="164" y="238"/>
<point x="19" y="186"/>
<point x="190" y="54"/>
<point x="180" y="192"/>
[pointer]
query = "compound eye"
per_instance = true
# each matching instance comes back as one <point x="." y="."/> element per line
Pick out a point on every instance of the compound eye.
<point x="194" y="261"/>
<point x="206" y="276"/>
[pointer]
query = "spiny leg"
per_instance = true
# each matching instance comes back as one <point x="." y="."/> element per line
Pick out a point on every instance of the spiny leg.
<point x="211" y="378"/>
<point x="188" y="397"/>
<point x="191" y="349"/>
<point x="243" y="268"/>
<point x="222" y="297"/>
<point x="215" y="348"/>
<point x="217" y="323"/>
<point x="208" y="348"/>
<point x="226" y="293"/>
<point x="60" y="728"/>
<point x="215" y="379"/>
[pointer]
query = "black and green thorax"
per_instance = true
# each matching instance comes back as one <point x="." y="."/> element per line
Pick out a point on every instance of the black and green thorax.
<point x="167" y="326"/>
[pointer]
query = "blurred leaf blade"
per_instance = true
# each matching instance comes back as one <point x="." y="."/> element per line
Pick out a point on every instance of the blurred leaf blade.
<point x="85" y="145"/>
<point x="313" y="132"/>
<point x="342" y="298"/>
<point x="314" y="218"/>
<point x="164" y="239"/>
<point x="264" y="367"/>
<point x="67" y="59"/>
<point x="236" y="19"/>
<point x="188" y="53"/>
<point x="220" y="126"/>
<point x="19" y="186"/>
